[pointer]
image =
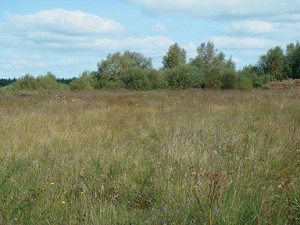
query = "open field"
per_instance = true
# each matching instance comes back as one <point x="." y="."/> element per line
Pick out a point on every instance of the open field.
<point x="161" y="157"/>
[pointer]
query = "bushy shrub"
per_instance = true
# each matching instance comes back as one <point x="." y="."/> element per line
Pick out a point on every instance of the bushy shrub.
<point x="135" y="78"/>
<point x="213" y="80"/>
<point x="47" y="82"/>
<point x="41" y="83"/>
<point x="245" y="83"/>
<point x="259" y="81"/>
<point x="156" y="79"/>
<point x="27" y="82"/>
<point x="229" y="80"/>
<point x="84" y="82"/>
<point x="184" y="76"/>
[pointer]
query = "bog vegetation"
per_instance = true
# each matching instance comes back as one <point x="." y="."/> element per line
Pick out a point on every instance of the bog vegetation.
<point x="210" y="69"/>
<point x="161" y="156"/>
<point x="158" y="157"/>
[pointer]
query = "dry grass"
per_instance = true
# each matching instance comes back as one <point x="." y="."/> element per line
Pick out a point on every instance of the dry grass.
<point x="161" y="157"/>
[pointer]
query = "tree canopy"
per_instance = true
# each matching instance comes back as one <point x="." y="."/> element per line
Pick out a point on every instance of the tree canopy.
<point x="175" y="56"/>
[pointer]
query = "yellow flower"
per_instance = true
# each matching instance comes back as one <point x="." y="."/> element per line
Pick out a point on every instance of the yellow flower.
<point x="194" y="173"/>
<point x="52" y="183"/>
<point x="82" y="193"/>
<point x="158" y="163"/>
<point x="215" y="152"/>
<point x="63" y="202"/>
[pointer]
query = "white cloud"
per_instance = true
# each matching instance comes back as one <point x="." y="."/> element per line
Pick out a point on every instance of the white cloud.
<point x="62" y="22"/>
<point x="252" y="26"/>
<point x="221" y="8"/>
<point x="227" y="42"/>
<point x="51" y="30"/>
<point x="70" y="41"/>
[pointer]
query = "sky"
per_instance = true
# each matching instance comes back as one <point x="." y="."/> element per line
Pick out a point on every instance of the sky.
<point x="67" y="37"/>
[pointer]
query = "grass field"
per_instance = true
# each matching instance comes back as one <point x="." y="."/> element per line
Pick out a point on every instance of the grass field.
<point x="161" y="157"/>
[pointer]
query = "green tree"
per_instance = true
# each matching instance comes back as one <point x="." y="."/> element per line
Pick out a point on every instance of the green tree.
<point x="292" y="60"/>
<point x="273" y="63"/>
<point x="111" y="69"/>
<point x="175" y="56"/>
<point x="218" y="71"/>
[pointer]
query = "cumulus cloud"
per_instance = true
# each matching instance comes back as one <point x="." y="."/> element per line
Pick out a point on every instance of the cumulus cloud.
<point x="243" y="42"/>
<point x="252" y="26"/>
<point x="216" y="9"/>
<point x="62" y="22"/>
<point x="60" y="38"/>
<point x="71" y="31"/>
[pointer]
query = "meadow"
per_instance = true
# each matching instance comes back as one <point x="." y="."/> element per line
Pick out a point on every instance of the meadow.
<point x="154" y="157"/>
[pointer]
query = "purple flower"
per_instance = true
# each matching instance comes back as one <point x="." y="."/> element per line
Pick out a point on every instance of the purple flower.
<point x="173" y="195"/>
<point x="163" y="209"/>
<point x="217" y="212"/>
<point x="187" y="202"/>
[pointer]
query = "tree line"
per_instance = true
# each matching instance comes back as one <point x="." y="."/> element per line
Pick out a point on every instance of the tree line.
<point x="208" y="69"/>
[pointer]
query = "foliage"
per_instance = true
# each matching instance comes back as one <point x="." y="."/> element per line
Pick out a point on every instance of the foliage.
<point x="184" y="76"/>
<point x="47" y="82"/>
<point x="213" y="80"/>
<point x="27" y="82"/>
<point x="245" y="83"/>
<point x="6" y="82"/>
<point x="175" y="56"/>
<point x="208" y="69"/>
<point x="292" y="60"/>
<point x="84" y="82"/>
<point x="41" y="83"/>
<point x="273" y="63"/>
<point x="218" y="72"/>
<point x="111" y="68"/>
<point x="135" y="78"/>
<point x="156" y="79"/>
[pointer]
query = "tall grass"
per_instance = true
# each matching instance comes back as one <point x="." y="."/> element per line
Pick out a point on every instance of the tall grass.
<point x="161" y="157"/>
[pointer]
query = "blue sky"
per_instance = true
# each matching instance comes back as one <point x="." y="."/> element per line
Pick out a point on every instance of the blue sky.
<point x="67" y="37"/>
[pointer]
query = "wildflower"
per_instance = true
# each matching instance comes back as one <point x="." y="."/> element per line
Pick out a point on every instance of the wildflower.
<point x="215" y="152"/>
<point x="173" y="195"/>
<point x="52" y="183"/>
<point x="217" y="212"/>
<point x="194" y="173"/>
<point x="187" y="202"/>
<point x="63" y="202"/>
<point x="158" y="163"/>
<point x="82" y="193"/>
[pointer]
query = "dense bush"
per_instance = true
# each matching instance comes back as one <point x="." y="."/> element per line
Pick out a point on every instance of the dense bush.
<point x="84" y="82"/>
<point x="30" y="83"/>
<point x="184" y="76"/>
<point x="27" y="82"/>
<point x="245" y="83"/>
<point x="135" y="78"/>
<point x="229" y="80"/>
